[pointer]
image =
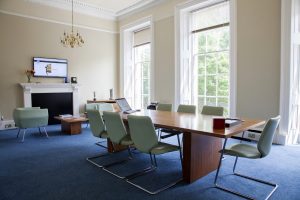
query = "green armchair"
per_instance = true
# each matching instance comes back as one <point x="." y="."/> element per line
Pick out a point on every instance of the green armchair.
<point x="32" y="117"/>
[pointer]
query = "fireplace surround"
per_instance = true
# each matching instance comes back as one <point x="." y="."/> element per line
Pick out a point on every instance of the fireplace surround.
<point x="32" y="88"/>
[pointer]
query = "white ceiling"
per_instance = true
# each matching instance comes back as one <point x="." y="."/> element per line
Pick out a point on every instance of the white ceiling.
<point x="111" y="9"/>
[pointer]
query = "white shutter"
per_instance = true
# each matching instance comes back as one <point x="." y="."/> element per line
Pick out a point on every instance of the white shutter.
<point x="294" y="125"/>
<point x="128" y="68"/>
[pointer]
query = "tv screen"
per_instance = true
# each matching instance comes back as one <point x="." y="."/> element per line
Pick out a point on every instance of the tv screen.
<point x="50" y="67"/>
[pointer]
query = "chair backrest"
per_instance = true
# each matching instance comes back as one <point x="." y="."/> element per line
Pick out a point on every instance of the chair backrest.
<point x="105" y="107"/>
<point x="142" y="133"/>
<point x="114" y="126"/>
<point x="96" y="122"/>
<point x="30" y="117"/>
<point x="186" y="108"/>
<point x="91" y="106"/>
<point x="164" y="107"/>
<point x="265" y="141"/>
<point x="212" y="110"/>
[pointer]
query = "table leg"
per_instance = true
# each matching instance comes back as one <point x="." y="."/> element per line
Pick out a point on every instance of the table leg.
<point x="200" y="155"/>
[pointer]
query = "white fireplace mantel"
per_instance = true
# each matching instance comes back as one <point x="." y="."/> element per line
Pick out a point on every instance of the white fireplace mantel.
<point x="29" y="88"/>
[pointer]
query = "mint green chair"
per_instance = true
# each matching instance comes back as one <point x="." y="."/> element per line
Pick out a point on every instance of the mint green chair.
<point x="98" y="106"/>
<point x="91" y="106"/>
<point x="262" y="149"/>
<point x="118" y="135"/>
<point x="182" y="108"/>
<point x="31" y="117"/>
<point x="212" y="110"/>
<point x="98" y="130"/>
<point x="186" y="109"/>
<point x="145" y="140"/>
<point x="164" y="107"/>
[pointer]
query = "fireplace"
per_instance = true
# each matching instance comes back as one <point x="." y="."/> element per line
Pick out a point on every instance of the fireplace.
<point x="59" y="98"/>
<point x="57" y="104"/>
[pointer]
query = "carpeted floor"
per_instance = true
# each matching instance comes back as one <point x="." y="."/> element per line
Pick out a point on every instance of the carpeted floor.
<point x="56" y="168"/>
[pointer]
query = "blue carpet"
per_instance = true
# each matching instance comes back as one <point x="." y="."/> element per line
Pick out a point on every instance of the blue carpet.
<point x="56" y="168"/>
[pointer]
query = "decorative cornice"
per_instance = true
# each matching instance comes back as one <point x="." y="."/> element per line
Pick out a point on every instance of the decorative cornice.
<point x="79" y="7"/>
<point x="58" y="22"/>
<point x="93" y="10"/>
<point x="140" y="6"/>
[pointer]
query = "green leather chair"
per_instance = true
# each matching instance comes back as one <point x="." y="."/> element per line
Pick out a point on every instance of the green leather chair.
<point x="262" y="149"/>
<point x="31" y="117"/>
<point x="182" y="108"/>
<point x="98" y="130"/>
<point x="164" y="107"/>
<point x="117" y="135"/>
<point x="212" y="110"/>
<point x="145" y="140"/>
<point x="186" y="109"/>
<point x="98" y="106"/>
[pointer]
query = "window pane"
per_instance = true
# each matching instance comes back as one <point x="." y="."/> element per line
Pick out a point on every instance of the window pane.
<point x="211" y="86"/>
<point x="224" y="102"/>
<point x="145" y="86"/>
<point x="211" y="63"/>
<point x="201" y="103"/>
<point x="200" y="64"/>
<point x="223" y="85"/>
<point x="142" y="76"/>
<point x="211" y="56"/>
<point x="211" y="101"/>
<point x="223" y="63"/>
<point x="145" y="69"/>
<point x="201" y="85"/>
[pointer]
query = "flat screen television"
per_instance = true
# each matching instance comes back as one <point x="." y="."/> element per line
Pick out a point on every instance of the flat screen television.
<point x="50" y="67"/>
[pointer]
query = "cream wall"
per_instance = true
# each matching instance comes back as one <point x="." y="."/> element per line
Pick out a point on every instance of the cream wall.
<point x="95" y="64"/>
<point x="164" y="60"/>
<point x="258" y="58"/>
<point x="258" y="54"/>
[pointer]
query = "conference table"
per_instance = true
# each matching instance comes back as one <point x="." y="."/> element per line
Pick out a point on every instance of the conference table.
<point x="201" y="143"/>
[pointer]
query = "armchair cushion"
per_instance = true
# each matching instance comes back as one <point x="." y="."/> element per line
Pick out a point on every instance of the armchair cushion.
<point x="30" y="117"/>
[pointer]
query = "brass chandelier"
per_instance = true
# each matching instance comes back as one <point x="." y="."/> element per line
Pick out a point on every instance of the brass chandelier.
<point x="71" y="39"/>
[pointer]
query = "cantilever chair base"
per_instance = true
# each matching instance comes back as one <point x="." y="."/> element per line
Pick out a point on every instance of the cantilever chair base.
<point x="90" y="159"/>
<point x="147" y="170"/>
<point x="100" y="144"/>
<point x="275" y="186"/>
<point x="105" y="167"/>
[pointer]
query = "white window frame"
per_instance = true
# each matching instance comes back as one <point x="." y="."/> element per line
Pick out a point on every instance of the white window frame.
<point x="287" y="38"/>
<point x="126" y="52"/>
<point x="183" y="48"/>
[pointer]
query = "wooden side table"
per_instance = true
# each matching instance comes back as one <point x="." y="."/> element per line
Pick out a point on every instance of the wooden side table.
<point x="71" y="125"/>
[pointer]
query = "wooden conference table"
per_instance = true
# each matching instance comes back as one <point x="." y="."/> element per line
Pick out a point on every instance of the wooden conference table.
<point x="201" y="143"/>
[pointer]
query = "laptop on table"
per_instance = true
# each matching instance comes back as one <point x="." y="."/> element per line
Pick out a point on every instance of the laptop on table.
<point x="124" y="106"/>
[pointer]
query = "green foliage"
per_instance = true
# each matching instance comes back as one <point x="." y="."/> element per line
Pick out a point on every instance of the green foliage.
<point x="213" y="67"/>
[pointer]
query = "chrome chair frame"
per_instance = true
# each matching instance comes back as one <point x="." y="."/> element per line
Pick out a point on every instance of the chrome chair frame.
<point x="147" y="170"/>
<point x="275" y="186"/>
<point x="25" y="129"/>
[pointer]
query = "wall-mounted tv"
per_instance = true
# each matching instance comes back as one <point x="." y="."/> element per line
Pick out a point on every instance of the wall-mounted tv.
<point x="50" y="67"/>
